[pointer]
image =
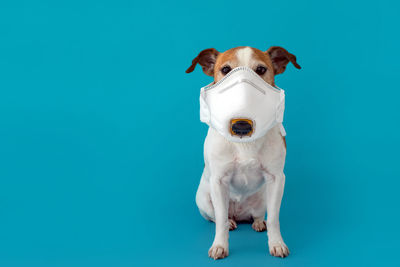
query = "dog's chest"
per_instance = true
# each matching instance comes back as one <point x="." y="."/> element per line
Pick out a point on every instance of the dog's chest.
<point x="247" y="176"/>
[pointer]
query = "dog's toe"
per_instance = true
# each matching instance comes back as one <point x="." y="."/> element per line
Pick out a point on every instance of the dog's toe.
<point x="279" y="249"/>
<point x="259" y="225"/>
<point x="232" y="225"/>
<point x="218" y="252"/>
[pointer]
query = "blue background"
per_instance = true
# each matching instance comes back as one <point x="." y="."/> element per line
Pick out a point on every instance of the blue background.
<point x="101" y="143"/>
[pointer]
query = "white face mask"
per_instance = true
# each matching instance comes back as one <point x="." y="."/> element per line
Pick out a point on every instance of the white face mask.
<point x="242" y="106"/>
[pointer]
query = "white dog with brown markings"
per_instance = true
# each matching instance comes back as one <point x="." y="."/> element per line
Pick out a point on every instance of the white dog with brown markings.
<point x="243" y="181"/>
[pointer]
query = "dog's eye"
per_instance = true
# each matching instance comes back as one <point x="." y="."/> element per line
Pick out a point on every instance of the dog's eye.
<point x="225" y="70"/>
<point x="261" y="70"/>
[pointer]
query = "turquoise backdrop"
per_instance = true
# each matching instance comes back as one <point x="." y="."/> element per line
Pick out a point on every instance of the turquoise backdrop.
<point x="101" y="143"/>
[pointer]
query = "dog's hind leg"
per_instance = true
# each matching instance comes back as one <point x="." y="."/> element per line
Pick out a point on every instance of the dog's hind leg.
<point x="259" y="224"/>
<point x="257" y="207"/>
<point x="232" y="224"/>
<point x="203" y="200"/>
<point x="204" y="203"/>
<point x="258" y="215"/>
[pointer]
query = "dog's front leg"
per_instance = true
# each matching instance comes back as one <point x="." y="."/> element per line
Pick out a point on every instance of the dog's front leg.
<point x="274" y="189"/>
<point x="220" y="201"/>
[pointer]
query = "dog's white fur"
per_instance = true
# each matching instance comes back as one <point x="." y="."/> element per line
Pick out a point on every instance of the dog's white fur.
<point x="242" y="181"/>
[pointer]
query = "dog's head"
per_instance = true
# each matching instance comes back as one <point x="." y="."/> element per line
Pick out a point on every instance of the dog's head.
<point x="266" y="64"/>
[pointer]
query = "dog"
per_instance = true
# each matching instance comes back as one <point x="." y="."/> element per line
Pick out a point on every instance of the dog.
<point x="241" y="182"/>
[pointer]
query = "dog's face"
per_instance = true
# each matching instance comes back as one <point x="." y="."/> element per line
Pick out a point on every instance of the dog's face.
<point x="266" y="64"/>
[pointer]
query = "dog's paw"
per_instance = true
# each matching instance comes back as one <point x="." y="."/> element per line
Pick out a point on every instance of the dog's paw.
<point x="278" y="249"/>
<point x="232" y="225"/>
<point x="218" y="252"/>
<point x="259" y="225"/>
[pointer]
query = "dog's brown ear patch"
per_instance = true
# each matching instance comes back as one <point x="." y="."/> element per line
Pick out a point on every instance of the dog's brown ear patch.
<point x="206" y="59"/>
<point x="280" y="57"/>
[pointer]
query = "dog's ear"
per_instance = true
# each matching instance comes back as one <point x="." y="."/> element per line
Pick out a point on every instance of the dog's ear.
<point x="206" y="59"/>
<point x="280" y="57"/>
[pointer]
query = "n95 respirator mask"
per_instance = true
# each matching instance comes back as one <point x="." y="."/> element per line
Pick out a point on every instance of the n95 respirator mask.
<point x="242" y="106"/>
